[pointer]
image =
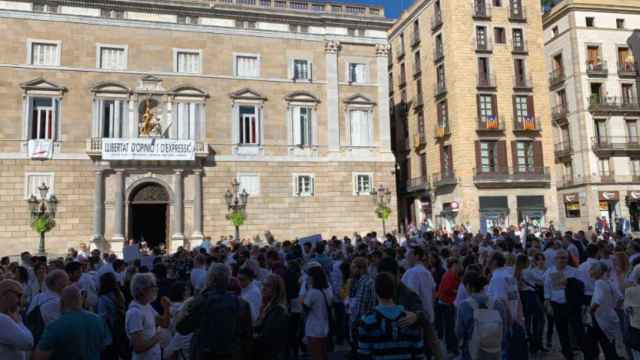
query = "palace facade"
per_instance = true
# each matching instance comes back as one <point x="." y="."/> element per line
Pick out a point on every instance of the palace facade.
<point x="139" y="114"/>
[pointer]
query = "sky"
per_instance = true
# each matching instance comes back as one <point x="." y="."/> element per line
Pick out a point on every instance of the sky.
<point x="392" y="7"/>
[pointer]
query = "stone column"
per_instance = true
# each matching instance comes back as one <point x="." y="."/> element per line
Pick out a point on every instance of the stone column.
<point x="117" y="240"/>
<point x="333" y="106"/>
<point x="178" y="224"/>
<point x="197" y="235"/>
<point x="384" y="122"/>
<point x="98" y="214"/>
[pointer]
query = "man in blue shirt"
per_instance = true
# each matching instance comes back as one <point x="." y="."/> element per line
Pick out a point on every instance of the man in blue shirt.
<point x="77" y="334"/>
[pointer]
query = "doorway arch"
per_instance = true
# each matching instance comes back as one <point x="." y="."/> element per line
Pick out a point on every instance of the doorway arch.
<point x="149" y="204"/>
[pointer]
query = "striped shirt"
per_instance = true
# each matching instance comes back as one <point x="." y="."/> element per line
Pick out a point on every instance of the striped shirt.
<point x="380" y="337"/>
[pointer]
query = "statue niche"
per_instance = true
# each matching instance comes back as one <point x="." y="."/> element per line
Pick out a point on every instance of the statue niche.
<point x="150" y="124"/>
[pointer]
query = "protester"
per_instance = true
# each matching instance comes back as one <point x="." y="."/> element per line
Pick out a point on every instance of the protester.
<point x="111" y="307"/>
<point x="15" y="339"/>
<point x="604" y="317"/>
<point x="271" y="330"/>
<point x="76" y="334"/>
<point x="317" y="301"/>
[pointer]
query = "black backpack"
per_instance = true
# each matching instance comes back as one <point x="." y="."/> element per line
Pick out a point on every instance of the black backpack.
<point x="35" y="324"/>
<point x="219" y="337"/>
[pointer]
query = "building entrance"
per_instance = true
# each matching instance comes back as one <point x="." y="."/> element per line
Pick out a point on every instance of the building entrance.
<point x="149" y="214"/>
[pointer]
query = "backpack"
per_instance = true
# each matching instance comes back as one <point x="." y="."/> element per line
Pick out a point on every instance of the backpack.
<point x="219" y="337"/>
<point x="35" y="324"/>
<point x="487" y="330"/>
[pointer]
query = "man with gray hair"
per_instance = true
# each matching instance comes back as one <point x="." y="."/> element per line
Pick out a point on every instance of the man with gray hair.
<point x="77" y="334"/>
<point x="47" y="304"/>
<point x="220" y="321"/>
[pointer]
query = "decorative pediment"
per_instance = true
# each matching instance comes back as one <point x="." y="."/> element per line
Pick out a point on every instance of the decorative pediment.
<point x="247" y="94"/>
<point x="188" y="90"/>
<point x="111" y="87"/>
<point x="302" y="96"/>
<point x="150" y="83"/>
<point x="41" y="84"/>
<point x="359" y="99"/>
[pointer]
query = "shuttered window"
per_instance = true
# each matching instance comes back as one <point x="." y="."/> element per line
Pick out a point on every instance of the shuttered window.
<point x="188" y="62"/>
<point x="113" y="58"/>
<point x="45" y="54"/>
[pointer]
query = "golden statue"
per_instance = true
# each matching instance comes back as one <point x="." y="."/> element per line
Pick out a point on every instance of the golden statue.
<point x="147" y="120"/>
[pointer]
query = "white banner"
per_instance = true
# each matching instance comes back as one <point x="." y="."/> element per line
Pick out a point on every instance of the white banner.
<point x="148" y="149"/>
<point x="40" y="149"/>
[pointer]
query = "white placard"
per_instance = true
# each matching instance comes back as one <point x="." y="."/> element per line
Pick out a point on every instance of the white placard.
<point x="40" y="149"/>
<point x="148" y="149"/>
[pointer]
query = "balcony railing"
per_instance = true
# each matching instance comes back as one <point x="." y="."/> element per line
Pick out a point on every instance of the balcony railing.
<point x="597" y="68"/>
<point x="442" y="130"/>
<point x="419" y="140"/>
<point x="303" y="5"/>
<point x="517" y="13"/>
<point x="418" y="184"/>
<point x="438" y="54"/>
<point x="444" y="179"/>
<point x="520" y="48"/>
<point x="563" y="150"/>
<point x="486" y="81"/>
<point x="483" y="45"/>
<point x="523" y="82"/>
<point x="436" y="21"/>
<point x="481" y="10"/>
<point x="556" y="77"/>
<point x="615" y="145"/>
<point x="439" y="88"/>
<point x="559" y="114"/>
<point x="613" y="104"/>
<point x="627" y="69"/>
<point x="490" y="123"/>
<point x="519" y="176"/>
<point x="527" y="123"/>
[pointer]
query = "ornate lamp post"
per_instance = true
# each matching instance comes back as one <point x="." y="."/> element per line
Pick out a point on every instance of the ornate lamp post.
<point x="382" y="199"/>
<point x="236" y="204"/>
<point x="43" y="212"/>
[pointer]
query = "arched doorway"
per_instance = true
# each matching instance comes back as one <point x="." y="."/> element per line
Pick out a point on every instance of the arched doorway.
<point x="149" y="214"/>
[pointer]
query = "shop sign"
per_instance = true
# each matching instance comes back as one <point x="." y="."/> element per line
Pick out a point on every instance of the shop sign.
<point x="148" y="149"/>
<point x="634" y="195"/>
<point x="609" y="195"/>
<point x="570" y="198"/>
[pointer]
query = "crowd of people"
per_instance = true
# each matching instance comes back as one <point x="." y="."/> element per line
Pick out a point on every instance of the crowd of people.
<point x="508" y="294"/>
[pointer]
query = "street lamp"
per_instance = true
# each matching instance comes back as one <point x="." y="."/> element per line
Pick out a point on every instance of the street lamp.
<point x="382" y="199"/>
<point x="236" y="204"/>
<point x="43" y="212"/>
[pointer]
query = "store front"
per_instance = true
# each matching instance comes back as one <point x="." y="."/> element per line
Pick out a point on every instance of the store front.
<point x="494" y="212"/>
<point x="531" y="210"/>
<point x="609" y="203"/>
<point x="633" y="202"/>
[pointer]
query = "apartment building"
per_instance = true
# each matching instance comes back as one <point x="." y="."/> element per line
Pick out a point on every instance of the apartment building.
<point x="595" y="110"/>
<point x="139" y="114"/>
<point x="470" y="117"/>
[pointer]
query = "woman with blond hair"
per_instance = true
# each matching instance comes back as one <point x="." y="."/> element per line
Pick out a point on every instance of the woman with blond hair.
<point x="271" y="331"/>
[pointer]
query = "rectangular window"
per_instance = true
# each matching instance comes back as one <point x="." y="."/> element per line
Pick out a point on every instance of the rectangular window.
<point x="359" y="128"/>
<point x="524" y="156"/>
<point x="362" y="184"/>
<point x="302" y="126"/>
<point x="590" y="21"/>
<point x="417" y="62"/>
<point x="249" y="125"/>
<point x="572" y="209"/>
<point x="497" y="3"/>
<point x="188" y="62"/>
<point x="520" y="72"/>
<point x="481" y="38"/>
<point x="249" y="183"/>
<point x="488" y="156"/>
<point x="500" y="36"/>
<point x="522" y="108"/>
<point x="603" y="167"/>
<point x="113" y="58"/>
<point x="555" y="31"/>
<point x="620" y="23"/>
<point x="247" y="66"/>
<point x="635" y="167"/>
<point x="628" y="97"/>
<point x="43" y="118"/>
<point x="187" y="119"/>
<point x="112" y="118"/>
<point x="441" y="82"/>
<point x="518" y="39"/>
<point x="45" y="53"/>
<point x="304" y="185"/>
<point x="423" y="165"/>
<point x="447" y="165"/>
<point x="439" y="46"/>
<point x="443" y="115"/>
<point x="632" y="131"/>
<point x="301" y="69"/>
<point x="34" y="180"/>
<point x="483" y="70"/>
<point x="601" y="130"/>
<point x="357" y="73"/>
<point x="486" y="108"/>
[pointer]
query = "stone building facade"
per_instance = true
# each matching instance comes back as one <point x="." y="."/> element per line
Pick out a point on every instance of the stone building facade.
<point x="138" y="116"/>
<point x="471" y="124"/>
<point x="595" y="110"/>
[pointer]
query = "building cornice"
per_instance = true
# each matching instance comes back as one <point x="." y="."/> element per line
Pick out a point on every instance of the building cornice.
<point x="564" y="8"/>
<point x="408" y="16"/>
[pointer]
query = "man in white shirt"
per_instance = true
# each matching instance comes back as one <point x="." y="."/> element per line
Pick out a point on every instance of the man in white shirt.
<point x="420" y="280"/>
<point x="503" y="286"/>
<point x="583" y="271"/>
<point x="199" y="273"/>
<point x="555" y="285"/>
<point x="249" y="292"/>
<point x="550" y="253"/>
<point x="49" y="301"/>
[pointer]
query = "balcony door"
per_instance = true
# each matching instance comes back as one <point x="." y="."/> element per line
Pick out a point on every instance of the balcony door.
<point x="601" y="131"/>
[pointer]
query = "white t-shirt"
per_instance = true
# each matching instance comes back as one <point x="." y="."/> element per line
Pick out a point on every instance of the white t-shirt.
<point x="142" y="318"/>
<point x="198" y="278"/>
<point x="251" y="294"/>
<point x="605" y="296"/>
<point x="49" y="303"/>
<point x="419" y="279"/>
<point x="15" y="339"/>
<point x="317" y="322"/>
<point x="504" y="286"/>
